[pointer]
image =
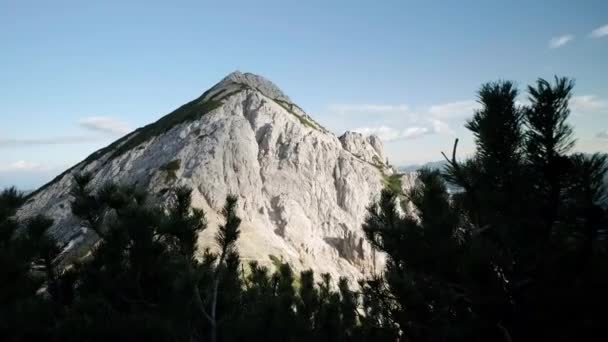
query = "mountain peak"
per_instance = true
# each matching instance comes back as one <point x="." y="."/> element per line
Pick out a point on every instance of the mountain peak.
<point x="254" y="81"/>
<point x="302" y="191"/>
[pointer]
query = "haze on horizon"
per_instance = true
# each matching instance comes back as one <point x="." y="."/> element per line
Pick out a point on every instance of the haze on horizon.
<point x="76" y="76"/>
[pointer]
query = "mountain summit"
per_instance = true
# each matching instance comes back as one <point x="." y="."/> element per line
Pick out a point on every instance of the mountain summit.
<point x="302" y="190"/>
<point x="253" y="81"/>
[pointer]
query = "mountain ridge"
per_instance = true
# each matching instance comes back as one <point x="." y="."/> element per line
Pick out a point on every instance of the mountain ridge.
<point x="209" y="100"/>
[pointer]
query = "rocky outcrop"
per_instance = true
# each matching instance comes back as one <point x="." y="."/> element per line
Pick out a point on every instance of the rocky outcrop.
<point x="408" y="181"/>
<point x="302" y="191"/>
<point x="368" y="148"/>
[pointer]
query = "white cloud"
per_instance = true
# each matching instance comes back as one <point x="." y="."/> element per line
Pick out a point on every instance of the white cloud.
<point x="560" y="41"/>
<point x="414" y="132"/>
<point x="383" y="132"/>
<point x="600" y="32"/>
<point x="439" y="126"/>
<point x="368" y="108"/>
<point x="18" y="142"/>
<point x="105" y="124"/>
<point x="392" y="134"/>
<point x="602" y="135"/>
<point x="96" y="123"/>
<point x="28" y="175"/>
<point x="430" y="120"/>
<point x="21" y="165"/>
<point x="587" y="103"/>
<point x="430" y="126"/>
<point x="454" y="109"/>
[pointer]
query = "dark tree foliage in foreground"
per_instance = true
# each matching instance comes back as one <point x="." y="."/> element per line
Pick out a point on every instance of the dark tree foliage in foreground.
<point x="26" y="270"/>
<point x="518" y="253"/>
<point x="144" y="279"/>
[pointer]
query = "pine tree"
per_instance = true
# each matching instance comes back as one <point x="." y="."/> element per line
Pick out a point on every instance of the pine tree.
<point x="307" y="305"/>
<point x="349" y="303"/>
<point x="422" y="273"/>
<point x="226" y="238"/>
<point x="525" y="214"/>
<point x="257" y="308"/>
<point x="327" y="320"/>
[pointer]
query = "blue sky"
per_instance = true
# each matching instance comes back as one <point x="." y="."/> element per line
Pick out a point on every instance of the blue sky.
<point x="75" y="75"/>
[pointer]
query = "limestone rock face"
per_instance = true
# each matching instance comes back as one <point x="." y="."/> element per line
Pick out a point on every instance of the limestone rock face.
<point x="408" y="181"/>
<point x="302" y="191"/>
<point x="368" y="148"/>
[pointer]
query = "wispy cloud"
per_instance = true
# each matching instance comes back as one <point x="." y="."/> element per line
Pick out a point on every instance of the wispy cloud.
<point x="368" y="108"/>
<point x="587" y="103"/>
<point x="418" y="121"/>
<point x="602" y="135"/>
<point x="439" y="126"/>
<point x="600" y="32"/>
<point x="453" y="109"/>
<point x="447" y="110"/>
<point x="392" y="134"/>
<point x="22" y="165"/>
<point x="105" y="124"/>
<point x="28" y="174"/>
<point x="67" y="140"/>
<point x="560" y="41"/>
<point x="431" y="126"/>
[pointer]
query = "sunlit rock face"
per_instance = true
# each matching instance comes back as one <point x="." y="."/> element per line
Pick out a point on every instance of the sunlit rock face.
<point x="302" y="191"/>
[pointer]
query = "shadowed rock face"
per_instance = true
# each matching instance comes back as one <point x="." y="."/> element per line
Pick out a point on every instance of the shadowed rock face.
<point x="302" y="191"/>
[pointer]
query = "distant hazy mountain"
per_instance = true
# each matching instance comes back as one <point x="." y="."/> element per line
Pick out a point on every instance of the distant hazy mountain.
<point x="434" y="165"/>
<point x="440" y="165"/>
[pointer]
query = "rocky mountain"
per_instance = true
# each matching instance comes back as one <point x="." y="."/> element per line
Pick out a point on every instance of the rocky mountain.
<point x="302" y="191"/>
